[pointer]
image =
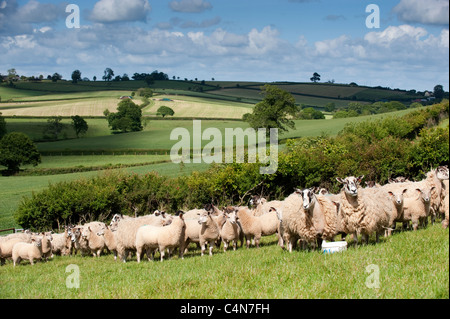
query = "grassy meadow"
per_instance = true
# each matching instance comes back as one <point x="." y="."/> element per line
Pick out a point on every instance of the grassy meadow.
<point x="411" y="264"/>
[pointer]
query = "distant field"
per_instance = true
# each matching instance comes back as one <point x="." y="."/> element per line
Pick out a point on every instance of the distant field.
<point x="185" y="106"/>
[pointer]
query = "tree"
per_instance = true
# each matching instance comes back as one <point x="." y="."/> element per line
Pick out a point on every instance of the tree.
<point x="311" y="114"/>
<point x="18" y="149"/>
<point x="12" y="74"/>
<point x="94" y="78"/>
<point x="53" y="128"/>
<point x="127" y="118"/>
<point x="274" y="111"/>
<point x="109" y="73"/>
<point x="56" y="77"/>
<point x="76" y="76"/>
<point x="3" y="130"/>
<point x="149" y="80"/>
<point x="316" y="77"/>
<point x="164" y="110"/>
<point x="439" y="92"/>
<point x="79" y="125"/>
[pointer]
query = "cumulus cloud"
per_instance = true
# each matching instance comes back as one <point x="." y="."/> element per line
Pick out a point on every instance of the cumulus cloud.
<point x="110" y="11"/>
<point x="15" y="20"/>
<point x="425" y="12"/>
<point x="190" y="6"/>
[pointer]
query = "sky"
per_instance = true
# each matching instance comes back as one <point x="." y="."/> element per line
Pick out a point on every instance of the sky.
<point x="233" y="40"/>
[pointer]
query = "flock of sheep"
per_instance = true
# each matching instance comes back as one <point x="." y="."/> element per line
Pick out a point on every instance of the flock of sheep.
<point x="305" y="216"/>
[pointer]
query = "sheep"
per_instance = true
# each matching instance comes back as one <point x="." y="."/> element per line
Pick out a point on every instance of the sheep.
<point x="397" y="214"/>
<point x="418" y="209"/>
<point x="47" y="245"/>
<point x="61" y="243"/>
<point x="262" y="206"/>
<point x="151" y="238"/>
<point x="30" y="251"/>
<point x="110" y="240"/>
<point x="209" y="232"/>
<point x="445" y="205"/>
<point x="96" y="243"/>
<point x="127" y="229"/>
<point x="435" y="178"/>
<point x="323" y="214"/>
<point x="364" y="211"/>
<point x="78" y="242"/>
<point x="7" y="244"/>
<point x="229" y="230"/>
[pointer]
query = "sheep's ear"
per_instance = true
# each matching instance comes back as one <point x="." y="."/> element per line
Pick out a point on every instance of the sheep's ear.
<point x="359" y="179"/>
<point x="391" y="181"/>
<point x="405" y="191"/>
<point x="340" y="180"/>
<point x="419" y="190"/>
<point x="391" y="193"/>
<point x="434" y="187"/>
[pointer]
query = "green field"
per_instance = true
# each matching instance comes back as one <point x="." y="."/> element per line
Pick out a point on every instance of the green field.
<point x="409" y="265"/>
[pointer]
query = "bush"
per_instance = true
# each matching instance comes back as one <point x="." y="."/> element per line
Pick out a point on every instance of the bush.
<point x="18" y="149"/>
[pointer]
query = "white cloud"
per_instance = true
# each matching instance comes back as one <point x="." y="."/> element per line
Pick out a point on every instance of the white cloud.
<point x="190" y="6"/>
<point x="110" y="11"/>
<point x="426" y="12"/>
<point x="395" y="34"/>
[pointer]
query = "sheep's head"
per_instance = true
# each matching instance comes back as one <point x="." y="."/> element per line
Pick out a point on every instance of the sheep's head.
<point x="308" y="198"/>
<point x="116" y="218"/>
<point x="425" y="194"/>
<point x="397" y="197"/>
<point x="231" y="217"/>
<point x="204" y="217"/>
<point x="36" y="241"/>
<point x="75" y="234"/>
<point x="442" y="172"/>
<point x="351" y="184"/>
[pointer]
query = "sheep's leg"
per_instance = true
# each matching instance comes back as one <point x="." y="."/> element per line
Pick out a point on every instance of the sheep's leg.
<point x="162" y="253"/>
<point x="203" y="248"/>
<point x="257" y="239"/>
<point x="138" y="254"/>
<point x="211" y="247"/>
<point x="225" y="246"/>
<point x="234" y="245"/>
<point x="248" y="241"/>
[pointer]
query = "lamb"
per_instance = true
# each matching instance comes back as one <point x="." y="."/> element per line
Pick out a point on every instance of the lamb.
<point x="110" y="240"/>
<point x="30" y="251"/>
<point x="229" y="230"/>
<point x="127" y="229"/>
<point x="169" y="237"/>
<point x="7" y="244"/>
<point x="96" y="243"/>
<point x="364" y="211"/>
<point x="397" y="213"/>
<point x="209" y="232"/>
<point x="262" y="206"/>
<point x="418" y="209"/>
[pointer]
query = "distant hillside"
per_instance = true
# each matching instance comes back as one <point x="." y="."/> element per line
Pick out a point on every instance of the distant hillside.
<point x="311" y="94"/>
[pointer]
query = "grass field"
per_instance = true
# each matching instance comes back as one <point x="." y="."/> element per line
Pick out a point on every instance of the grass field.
<point x="410" y="264"/>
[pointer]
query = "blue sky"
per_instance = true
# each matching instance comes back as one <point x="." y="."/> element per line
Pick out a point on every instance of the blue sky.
<point x="264" y="40"/>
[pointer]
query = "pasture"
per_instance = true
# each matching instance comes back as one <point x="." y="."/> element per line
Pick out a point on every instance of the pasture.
<point x="411" y="265"/>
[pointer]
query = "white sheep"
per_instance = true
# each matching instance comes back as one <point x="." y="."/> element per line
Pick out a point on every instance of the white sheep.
<point x="230" y="230"/>
<point x="47" y="245"/>
<point x="7" y="244"/>
<point x="417" y="209"/>
<point x="61" y="243"/>
<point x="95" y="242"/>
<point x="110" y="240"/>
<point x="127" y="229"/>
<point x="445" y="205"/>
<point x="364" y="211"/>
<point x="150" y="238"/>
<point x="209" y="232"/>
<point x="397" y="215"/>
<point x="30" y="251"/>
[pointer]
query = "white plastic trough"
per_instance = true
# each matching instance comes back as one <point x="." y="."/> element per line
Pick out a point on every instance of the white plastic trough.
<point x="333" y="247"/>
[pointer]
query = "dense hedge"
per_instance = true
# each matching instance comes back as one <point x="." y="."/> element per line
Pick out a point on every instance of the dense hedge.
<point x="408" y="146"/>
